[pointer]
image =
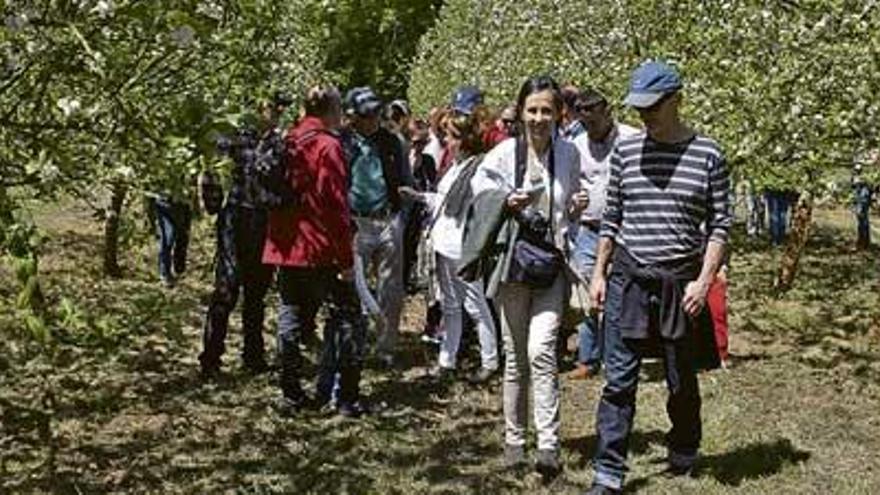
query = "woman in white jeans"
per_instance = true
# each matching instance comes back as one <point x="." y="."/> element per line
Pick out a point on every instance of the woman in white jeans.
<point x="448" y="206"/>
<point x="531" y="315"/>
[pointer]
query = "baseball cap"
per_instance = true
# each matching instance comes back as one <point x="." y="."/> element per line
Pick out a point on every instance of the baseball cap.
<point x="651" y="81"/>
<point x="466" y="98"/>
<point x="362" y="101"/>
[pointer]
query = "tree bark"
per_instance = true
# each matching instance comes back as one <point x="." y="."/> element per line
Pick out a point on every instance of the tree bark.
<point x="111" y="231"/>
<point x="800" y="231"/>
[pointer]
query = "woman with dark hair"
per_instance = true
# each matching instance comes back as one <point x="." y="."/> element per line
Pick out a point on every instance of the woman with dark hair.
<point x="449" y="208"/>
<point x="538" y="173"/>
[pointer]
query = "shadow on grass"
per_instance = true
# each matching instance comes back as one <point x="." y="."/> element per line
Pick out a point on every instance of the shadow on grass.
<point x="751" y="462"/>
<point x="755" y="461"/>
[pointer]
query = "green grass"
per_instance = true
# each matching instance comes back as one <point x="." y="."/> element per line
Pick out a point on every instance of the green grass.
<point x="797" y="413"/>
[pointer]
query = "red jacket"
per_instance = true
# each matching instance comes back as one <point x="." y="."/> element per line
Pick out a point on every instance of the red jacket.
<point x="317" y="231"/>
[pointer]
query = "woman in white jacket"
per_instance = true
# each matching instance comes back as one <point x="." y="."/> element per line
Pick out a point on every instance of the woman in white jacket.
<point x="531" y="313"/>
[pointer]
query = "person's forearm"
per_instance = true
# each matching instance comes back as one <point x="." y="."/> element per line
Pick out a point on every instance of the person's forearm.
<point x="711" y="262"/>
<point x="603" y="256"/>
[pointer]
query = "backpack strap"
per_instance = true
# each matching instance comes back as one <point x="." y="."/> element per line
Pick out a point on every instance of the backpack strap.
<point x="520" y="159"/>
<point x="520" y="170"/>
<point x="551" y="167"/>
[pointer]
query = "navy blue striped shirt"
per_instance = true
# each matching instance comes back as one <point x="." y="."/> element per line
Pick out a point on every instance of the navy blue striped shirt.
<point x="661" y="195"/>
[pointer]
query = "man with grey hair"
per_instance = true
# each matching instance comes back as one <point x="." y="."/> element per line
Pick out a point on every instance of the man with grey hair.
<point x="378" y="170"/>
<point x="595" y="145"/>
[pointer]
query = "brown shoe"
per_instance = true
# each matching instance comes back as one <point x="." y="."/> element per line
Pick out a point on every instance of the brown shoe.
<point x="582" y="372"/>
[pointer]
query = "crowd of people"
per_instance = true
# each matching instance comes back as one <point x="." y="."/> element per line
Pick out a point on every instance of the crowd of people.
<point x="498" y="218"/>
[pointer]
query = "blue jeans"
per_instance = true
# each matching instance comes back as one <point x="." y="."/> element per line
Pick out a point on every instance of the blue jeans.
<point x="589" y="331"/>
<point x="173" y="221"/>
<point x="777" y="209"/>
<point x="238" y="269"/>
<point x="302" y="292"/>
<point x="863" y="215"/>
<point x="617" y="406"/>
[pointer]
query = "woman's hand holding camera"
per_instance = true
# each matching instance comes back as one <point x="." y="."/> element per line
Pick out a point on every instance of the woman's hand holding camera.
<point x="517" y="200"/>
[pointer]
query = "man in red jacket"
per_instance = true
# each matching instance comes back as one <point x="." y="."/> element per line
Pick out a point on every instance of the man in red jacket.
<point x="311" y="243"/>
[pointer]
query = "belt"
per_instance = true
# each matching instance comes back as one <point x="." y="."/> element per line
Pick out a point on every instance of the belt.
<point x="592" y="225"/>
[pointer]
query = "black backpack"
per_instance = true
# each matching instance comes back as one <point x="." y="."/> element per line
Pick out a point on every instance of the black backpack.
<point x="270" y="180"/>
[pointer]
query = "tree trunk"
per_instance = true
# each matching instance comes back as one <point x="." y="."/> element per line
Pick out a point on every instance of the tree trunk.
<point x="800" y="231"/>
<point x="111" y="231"/>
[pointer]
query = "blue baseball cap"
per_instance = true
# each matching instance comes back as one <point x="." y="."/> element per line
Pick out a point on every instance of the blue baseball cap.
<point x="362" y="101"/>
<point x="466" y="98"/>
<point x="651" y="81"/>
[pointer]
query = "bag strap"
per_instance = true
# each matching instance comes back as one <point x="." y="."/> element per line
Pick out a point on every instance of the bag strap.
<point x="520" y="170"/>
<point x="520" y="158"/>
<point x="552" y="170"/>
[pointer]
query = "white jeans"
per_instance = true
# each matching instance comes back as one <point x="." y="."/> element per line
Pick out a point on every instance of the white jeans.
<point x="530" y="320"/>
<point x="456" y="292"/>
<point x="379" y="247"/>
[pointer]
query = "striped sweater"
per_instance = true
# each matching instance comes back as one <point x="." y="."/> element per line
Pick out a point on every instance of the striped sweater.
<point x="665" y="199"/>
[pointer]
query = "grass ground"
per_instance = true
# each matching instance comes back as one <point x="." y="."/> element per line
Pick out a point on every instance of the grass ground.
<point x="119" y="408"/>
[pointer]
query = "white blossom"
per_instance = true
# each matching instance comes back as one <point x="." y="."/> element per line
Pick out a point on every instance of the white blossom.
<point x="68" y="105"/>
<point x="184" y="36"/>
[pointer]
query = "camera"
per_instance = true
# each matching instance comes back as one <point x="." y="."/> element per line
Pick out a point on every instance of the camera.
<point x="533" y="223"/>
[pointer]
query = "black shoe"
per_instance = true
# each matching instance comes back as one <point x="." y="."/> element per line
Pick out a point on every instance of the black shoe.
<point x="482" y="376"/>
<point x="514" y="456"/>
<point x="547" y="463"/>
<point x="601" y="490"/>
<point x="673" y="470"/>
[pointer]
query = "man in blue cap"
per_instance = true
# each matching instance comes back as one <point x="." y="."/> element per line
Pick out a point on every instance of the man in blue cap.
<point x="378" y="169"/>
<point x="665" y="184"/>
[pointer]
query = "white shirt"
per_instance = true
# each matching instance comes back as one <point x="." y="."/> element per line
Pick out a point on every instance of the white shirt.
<point x="434" y="148"/>
<point x="447" y="234"/>
<point x="498" y="170"/>
<point x="594" y="167"/>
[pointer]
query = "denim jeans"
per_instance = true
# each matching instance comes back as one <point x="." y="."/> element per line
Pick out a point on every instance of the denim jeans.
<point x="379" y="246"/>
<point x="238" y="268"/>
<point x="863" y="214"/>
<point x="617" y="406"/>
<point x="303" y="291"/>
<point x="589" y="331"/>
<point x="777" y="209"/>
<point x="755" y="212"/>
<point x="173" y="221"/>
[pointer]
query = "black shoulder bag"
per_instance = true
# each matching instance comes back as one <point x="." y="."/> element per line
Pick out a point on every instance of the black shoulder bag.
<point x="536" y="261"/>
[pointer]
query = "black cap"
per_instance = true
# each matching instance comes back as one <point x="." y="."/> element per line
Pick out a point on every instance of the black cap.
<point x="362" y="101"/>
